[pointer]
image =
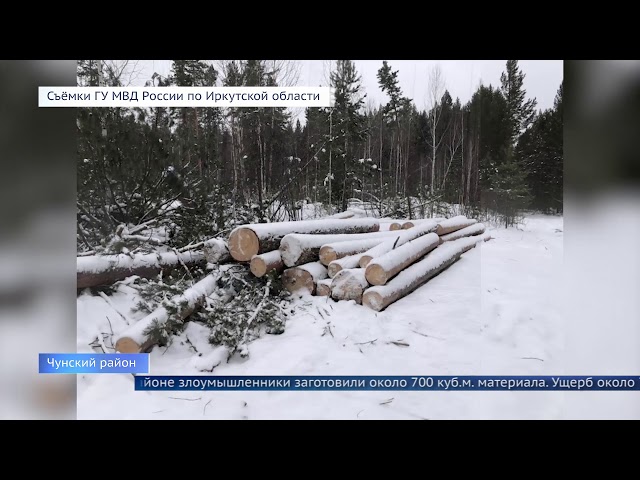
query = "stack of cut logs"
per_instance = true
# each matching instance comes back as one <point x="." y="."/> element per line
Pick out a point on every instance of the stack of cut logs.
<point x="352" y="259"/>
<point x="342" y="257"/>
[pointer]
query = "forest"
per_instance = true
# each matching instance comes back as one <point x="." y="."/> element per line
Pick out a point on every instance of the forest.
<point x="198" y="172"/>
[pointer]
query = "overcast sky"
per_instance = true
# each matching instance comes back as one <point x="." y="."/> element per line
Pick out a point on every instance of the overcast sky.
<point x="462" y="77"/>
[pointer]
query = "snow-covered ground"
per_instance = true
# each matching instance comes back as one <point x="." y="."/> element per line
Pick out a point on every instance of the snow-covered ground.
<point x="495" y="311"/>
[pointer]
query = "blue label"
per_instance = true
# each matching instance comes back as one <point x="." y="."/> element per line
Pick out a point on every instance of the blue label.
<point x="94" y="363"/>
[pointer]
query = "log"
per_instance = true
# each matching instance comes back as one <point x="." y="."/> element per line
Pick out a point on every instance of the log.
<point x="471" y="230"/>
<point x="216" y="250"/>
<point x="412" y="223"/>
<point x="99" y="270"/>
<point x="303" y="278"/>
<point x="453" y="224"/>
<point x="395" y="226"/>
<point x="379" y="297"/>
<point x="382" y="269"/>
<point x="333" y="251"/>
<point x="299" y="248"/>
<point x="133" y="339"/>
<point x="352" y="261"/>
<point x="342" y="215"/>
<point x="349" y="284"/>
<point x="323" y="288"/>
<point x="401" y="237"/>
<point x="263" y="263"/>
<point x="253" y="239"/>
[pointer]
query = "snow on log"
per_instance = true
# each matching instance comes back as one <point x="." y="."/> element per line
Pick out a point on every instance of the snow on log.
<point x="299" y="248"/>
<point x="412" y="223"/>
<point x="96" y="270"/>
<point x="133" y="339"/>
<point x="342" y="215"/>
<point x="382" y="269"/>
<point x="323" y="288"/>
<point x="379" y="297"/>
<point x="249" y="240"/>
<point x="349" y="285"/>
<point x="471" y="230"/>
<point x="265" y="262"/>
<point x="395" y="226"/>
<point x="333" y="251"/>
<point x="352" y="261"/>
<point x="453" y="224"/>
<point x="216" y="251"/>
<point x="304" y="277"/>
<point x="402" y="237"/>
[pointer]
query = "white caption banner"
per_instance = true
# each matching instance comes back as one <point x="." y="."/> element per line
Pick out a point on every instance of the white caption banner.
<point x="185" y="97"/>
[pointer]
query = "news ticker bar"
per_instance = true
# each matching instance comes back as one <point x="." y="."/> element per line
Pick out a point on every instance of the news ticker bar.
<point x="375" y="383"/>
<point x="138" y="363"/>
<point x="185" y="96"/>
<point x="75" y="363"/>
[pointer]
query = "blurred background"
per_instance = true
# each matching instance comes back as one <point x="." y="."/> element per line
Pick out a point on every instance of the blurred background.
<point x="37" y="240"/>
<point x="602" y="232"/>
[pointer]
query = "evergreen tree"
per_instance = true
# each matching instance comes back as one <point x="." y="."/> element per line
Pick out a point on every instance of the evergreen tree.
<point x="347" y="128"/>
<point x="487" y="136"/>
<point x="540" y="150"/>
<point x="520" y="112"/>
<point x="510" y="193"/>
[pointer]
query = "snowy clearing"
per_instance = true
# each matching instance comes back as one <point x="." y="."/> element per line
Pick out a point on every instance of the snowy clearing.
<point x="495" y="311"/>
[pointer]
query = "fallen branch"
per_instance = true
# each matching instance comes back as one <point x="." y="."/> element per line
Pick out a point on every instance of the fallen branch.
<point x="134" y="338"/>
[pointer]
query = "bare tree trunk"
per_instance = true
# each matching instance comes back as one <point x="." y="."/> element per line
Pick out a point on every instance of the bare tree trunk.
<point x="235" y="166"/>
<point x="391" y="166"/>
<point x="462" y="201"/>
<point x="380" y="166"/>
<point x="100" y="74"/>
<point x="434" y="151"/>
<point x="330" y="149"/>
<point x="271" y="151"/>
<point x="344" y="178"/>
<point x="452" y="148"/>
<point x="406" y="158"/>
<point x="436" y="87"/>
<point x="260" y="176"/>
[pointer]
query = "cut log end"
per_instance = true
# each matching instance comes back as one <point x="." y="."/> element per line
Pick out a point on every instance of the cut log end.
<point x="243" y="244"/>
<point x="373" y="300"/>
<point x="375" y="274"/>
<point x="127" y="345"/>
<point x="298" y="280"/>
<point x="258" y="266"/>
<point x="407" y="225"/>
<point x="327" y="255"/>
<point x="333" y="269"/>
<point x="265" y="263"/>
<point x="323" y="289"/>
<point x="395" y="226"/>
<point x="364" y="261"/>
